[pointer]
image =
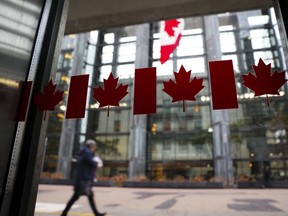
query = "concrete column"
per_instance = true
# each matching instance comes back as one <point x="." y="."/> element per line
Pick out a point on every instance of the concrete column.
<point x="137" y="142"/>
<point x="69" y="125"/>
<point x="223" y="167"/>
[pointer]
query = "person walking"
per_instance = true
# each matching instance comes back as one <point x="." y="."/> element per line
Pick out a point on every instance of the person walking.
<point x="266" y="176"/>
<point x="84" y="177"/>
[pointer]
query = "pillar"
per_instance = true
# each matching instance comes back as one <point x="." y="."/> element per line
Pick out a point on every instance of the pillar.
<point x="69" y="125"/>
<point x="223" y="167"/>
<point x="138" y="124"/>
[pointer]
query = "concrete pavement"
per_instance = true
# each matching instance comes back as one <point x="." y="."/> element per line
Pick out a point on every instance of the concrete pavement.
<point x="116" y="201"/>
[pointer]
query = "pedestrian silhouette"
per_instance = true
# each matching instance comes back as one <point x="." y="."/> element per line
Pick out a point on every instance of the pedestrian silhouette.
<point x="84" y="177"/>
<point x="266" y="176"/>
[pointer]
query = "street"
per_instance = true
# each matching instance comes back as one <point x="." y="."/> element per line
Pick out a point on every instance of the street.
<point x="117" y="201"/>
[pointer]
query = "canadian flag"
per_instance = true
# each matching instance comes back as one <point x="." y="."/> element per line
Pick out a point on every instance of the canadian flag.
<point x="170" y="37"/>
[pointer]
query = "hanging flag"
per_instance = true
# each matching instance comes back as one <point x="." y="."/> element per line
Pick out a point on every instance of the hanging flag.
<point x="170" y="37"/>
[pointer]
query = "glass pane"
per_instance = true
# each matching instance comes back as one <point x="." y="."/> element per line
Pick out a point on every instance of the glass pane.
<point x="190" y="45"/>
<point x="18" y="31"/>
<point x="127" y="52"/>
<point x="105" y="72"/>
<point x="109" y="38"/>
<point x="126" y="71"/>
<point x="197" y="64"/>
<point x="227" y="41"/>
<point x="181" y="145"/>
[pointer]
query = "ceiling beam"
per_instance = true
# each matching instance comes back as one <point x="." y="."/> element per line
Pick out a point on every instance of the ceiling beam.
<point x="90" y="15"/>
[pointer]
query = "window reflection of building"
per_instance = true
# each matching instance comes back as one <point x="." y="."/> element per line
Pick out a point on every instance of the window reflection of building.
<point x="181" y="143"/>
<point x="54" y="129"/>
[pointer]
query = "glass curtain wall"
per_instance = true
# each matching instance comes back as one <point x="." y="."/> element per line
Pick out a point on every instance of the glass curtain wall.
<point x="180" y="144"/>
<point x="258" y="132"/>
<point x="56" y="117"/>
<point x="115" y="53"/>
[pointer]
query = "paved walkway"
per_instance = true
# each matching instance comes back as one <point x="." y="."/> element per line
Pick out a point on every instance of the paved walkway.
<point x="166" y="202"/>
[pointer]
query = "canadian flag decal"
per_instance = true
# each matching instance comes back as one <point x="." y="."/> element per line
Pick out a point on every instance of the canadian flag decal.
<point x="170" y="37"/>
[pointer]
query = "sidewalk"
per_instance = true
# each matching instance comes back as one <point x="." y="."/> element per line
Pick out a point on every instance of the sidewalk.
<point x="115" y="201"/>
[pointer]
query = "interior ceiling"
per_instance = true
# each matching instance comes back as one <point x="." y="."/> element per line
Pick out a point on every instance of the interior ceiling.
<point x="90" y="15"/>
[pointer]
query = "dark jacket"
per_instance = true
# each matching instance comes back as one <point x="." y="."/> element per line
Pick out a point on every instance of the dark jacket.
<point x="86" y="167"/>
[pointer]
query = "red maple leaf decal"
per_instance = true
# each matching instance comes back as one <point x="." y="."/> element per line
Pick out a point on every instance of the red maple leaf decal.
<point x="110" y="95"/>
<point x="264" y="82"/>
<point x="169" y="25"/>
<point x="184" y="88"/>
<point x="49" y="99"/>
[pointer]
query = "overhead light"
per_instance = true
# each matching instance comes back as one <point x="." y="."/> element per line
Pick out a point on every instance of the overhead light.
<point x="63" y="107"/>
<point x="68" y="56"/>
<point x="94" y="106"/>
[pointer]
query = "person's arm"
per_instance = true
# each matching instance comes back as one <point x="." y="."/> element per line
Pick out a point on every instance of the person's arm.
<point x="98" y="160"/>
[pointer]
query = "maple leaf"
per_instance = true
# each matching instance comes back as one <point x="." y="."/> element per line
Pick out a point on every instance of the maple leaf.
<point x="169" y="25"/>
<point x="184" y="88"/>
<point x="110" y="95"/>
<point x="263" y="82"/>
<point x="49" y="99"/>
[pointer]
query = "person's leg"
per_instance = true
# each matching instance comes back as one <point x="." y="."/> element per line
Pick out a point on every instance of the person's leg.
<point x="93" y="205"/>
<point x="72" y="200"/>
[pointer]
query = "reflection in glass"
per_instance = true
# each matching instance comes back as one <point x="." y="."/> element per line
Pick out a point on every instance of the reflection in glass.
<point x="179" y="144"/>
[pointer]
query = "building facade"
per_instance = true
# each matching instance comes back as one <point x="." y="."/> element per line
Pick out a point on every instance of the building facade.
<point x="200" y="144"/>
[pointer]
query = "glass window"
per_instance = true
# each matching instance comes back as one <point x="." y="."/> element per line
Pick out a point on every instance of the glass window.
<point x="184" y="140"/>
<point x="105" y="72"/>
<point x="227" y="41"/>
<point x="234" y="59"/>
<point x="190" y="45"/>
<point x="125" y="71"/>
<point x="197" y="64"/>
<point x="116" y="47"/>
<point x="109" y="38"/>
<point x="163" y="69"/>
<point x="156" y="48"/>
<point x="107" y="56"/>
<point x="113" y="147"/>
<point x="127" y="52"/>
<point x="51" y="156"/>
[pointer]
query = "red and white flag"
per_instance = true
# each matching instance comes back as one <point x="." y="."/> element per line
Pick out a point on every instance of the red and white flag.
<point x="170" y="37"/>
